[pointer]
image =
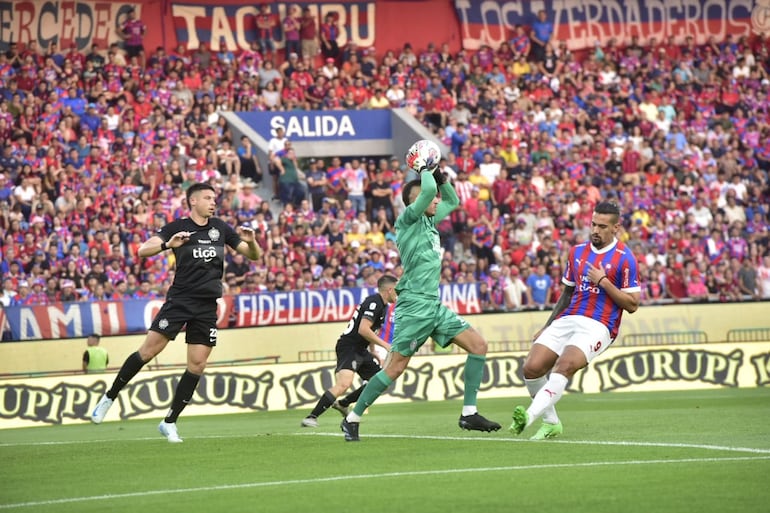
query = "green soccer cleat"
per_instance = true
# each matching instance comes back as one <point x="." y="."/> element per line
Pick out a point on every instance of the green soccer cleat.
<point x="520" y="420"/>
<point x="548" y="431"/>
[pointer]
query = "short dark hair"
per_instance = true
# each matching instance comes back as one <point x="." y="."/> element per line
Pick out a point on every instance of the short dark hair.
<point x="200" y="186"/>
<point x="385" y="280"/>
<point x="406" y="192"/>
<point x="608" y="207"/>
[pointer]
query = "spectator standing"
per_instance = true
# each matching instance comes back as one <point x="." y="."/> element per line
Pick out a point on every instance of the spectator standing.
<point x="250" y="167"/>
<point x="290" y="187"/>
<point x="317" y="182"/>
<point x="276" y="148"/>
<point x="291" y="27"/>
<point x="358" y="181"/>
<point x="308" y="34"/>
<point x="542" y="30"/>
<point x="95" y="357"/>
<point x="133" y="31"/>
<point x="265" y="25"/>
<point x="329" y="34"/>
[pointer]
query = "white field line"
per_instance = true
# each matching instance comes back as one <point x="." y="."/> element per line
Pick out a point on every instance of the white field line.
<point x="749" y="450"/>
<point x="291" y="482"/>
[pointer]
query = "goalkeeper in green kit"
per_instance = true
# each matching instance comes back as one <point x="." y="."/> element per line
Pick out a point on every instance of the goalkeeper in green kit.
<point x="419" y="311"/>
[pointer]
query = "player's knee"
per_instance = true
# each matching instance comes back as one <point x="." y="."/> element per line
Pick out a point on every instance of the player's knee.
<point x="476" y="343"/>
<point x="534" y="368"/>
<point x="567" y="368"/>
<point x="196" y="367"/>
<point x="339" y="388"/>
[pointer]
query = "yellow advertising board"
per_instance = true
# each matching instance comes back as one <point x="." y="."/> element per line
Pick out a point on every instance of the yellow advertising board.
<point x="286" y="343"/>
<point x="254" y="388"/>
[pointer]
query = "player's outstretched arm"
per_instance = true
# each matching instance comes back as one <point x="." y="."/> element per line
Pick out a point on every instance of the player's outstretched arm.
<point x="428" y="189"/>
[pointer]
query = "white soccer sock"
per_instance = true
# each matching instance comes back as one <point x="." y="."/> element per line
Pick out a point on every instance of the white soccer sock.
<point x="547" y="396"/>
<point x="352" y="417"/>
<point x="469" y="410"/>
<point x="534" y="386"/>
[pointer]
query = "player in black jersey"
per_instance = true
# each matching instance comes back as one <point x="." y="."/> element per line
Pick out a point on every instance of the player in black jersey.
<point x="198" y="242"/>
<point x="352" y="349"/>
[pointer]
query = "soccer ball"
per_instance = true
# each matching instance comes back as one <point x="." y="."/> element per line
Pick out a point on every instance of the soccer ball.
<point x="423" y="155"/>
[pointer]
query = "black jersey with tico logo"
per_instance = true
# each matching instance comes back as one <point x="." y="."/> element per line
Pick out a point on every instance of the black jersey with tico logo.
<point x="372" y="308"/>
<point x="200" y="262"/>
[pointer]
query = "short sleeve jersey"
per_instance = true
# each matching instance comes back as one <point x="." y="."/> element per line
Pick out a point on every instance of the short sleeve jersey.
<point x="589" y="300"/>
<point x="372" y="308"/>
<point x="200" y="261"/>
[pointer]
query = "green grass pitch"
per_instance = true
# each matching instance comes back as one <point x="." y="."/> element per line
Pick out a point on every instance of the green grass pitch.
<point x="687" y="451"/>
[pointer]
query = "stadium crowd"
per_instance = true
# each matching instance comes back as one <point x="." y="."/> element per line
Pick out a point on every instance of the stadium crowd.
<point x="98" y="148"/>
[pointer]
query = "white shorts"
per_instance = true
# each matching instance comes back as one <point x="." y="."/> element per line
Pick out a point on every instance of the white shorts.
<point x="588" y="335"/>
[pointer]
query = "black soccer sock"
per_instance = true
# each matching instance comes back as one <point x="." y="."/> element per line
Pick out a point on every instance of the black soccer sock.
<point x="324" y="403"/>
<point x="352" y="396"/>
<point x="184" y="392"/>
<point x="131" y="366"/>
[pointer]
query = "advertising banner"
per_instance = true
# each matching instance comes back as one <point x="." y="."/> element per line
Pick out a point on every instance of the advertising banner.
<point x="66" y="400"/>
<point x="73" y="320"/>
<point x="580" y="23"/>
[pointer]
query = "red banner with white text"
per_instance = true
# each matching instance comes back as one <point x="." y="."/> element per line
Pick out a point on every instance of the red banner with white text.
<point x="380" y="24"/>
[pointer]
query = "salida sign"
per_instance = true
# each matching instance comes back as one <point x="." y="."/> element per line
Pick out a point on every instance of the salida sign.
<point x="305" y="126"/>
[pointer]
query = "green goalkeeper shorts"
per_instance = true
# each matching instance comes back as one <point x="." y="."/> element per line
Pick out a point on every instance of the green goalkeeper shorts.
<point x="418" y="318"/>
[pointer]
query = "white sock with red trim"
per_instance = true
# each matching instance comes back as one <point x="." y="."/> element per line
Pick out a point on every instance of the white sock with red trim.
<point x="534" y="386"/>
<point x="547" y="396"/>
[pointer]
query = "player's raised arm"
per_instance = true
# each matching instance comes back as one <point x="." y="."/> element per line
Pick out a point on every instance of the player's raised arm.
<point x="449" y="200"/>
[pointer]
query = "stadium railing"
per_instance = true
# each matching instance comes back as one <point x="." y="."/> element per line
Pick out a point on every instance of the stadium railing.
<point x="748" y="335"/>
<point x="661" y="339"/>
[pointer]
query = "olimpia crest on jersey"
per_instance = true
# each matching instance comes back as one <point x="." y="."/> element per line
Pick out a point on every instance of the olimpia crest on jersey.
<point x="214" y="234"/>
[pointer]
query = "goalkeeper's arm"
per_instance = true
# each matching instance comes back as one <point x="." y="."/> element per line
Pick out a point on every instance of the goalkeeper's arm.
<point x="449" y="199"/>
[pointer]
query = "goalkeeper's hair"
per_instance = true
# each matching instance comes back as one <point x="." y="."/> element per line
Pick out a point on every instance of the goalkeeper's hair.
<point x="406" y="192"/>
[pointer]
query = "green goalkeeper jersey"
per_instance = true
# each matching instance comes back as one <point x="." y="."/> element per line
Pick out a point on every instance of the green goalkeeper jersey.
<point x="418" y="241"/>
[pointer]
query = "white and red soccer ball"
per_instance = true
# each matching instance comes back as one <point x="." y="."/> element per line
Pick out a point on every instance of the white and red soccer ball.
<point x="424" y="155"/>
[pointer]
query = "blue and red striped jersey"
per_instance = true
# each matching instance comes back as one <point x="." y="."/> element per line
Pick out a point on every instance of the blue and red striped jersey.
<point x="388" y="324"/>
<point x="588" y="300"/>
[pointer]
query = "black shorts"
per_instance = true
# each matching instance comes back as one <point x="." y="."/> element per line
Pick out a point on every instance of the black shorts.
<point x="133" y="50"/>
<point x="350" y="356"/>
<point x="200" y="316"/>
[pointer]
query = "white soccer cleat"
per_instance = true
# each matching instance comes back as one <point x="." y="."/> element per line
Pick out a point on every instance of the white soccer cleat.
<point x="309" y="422"/>
<point x="168" y="429"/>
<point x="102" y="407"/>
